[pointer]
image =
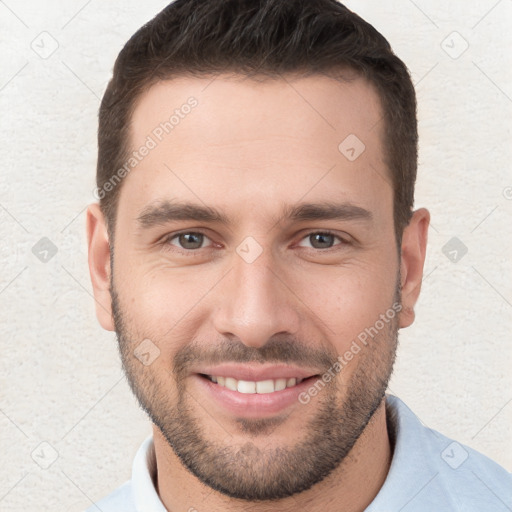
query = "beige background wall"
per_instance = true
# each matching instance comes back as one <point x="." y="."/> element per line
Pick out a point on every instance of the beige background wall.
<point x="69" y="426"/>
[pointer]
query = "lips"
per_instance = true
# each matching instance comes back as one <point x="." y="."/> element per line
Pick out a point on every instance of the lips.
<point x="251" y="372"/>
<point x="252" y="391"/>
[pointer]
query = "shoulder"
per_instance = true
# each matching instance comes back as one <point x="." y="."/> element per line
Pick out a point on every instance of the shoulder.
<point x="430" y="471"/>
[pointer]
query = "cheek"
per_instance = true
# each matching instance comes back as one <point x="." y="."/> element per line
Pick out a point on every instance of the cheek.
<point x="351" y="302"/>
<point x="163" y="304"/>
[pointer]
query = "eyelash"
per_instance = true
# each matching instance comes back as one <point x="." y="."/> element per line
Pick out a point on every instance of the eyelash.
<point x="165" y="243"/>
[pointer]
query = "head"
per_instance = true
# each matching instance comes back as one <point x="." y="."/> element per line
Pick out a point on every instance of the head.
<point x="256" y="173"/>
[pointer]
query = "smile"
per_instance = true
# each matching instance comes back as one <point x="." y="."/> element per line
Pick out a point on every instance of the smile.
<point x="252" y="391"/>
<point x="254" y="387"/>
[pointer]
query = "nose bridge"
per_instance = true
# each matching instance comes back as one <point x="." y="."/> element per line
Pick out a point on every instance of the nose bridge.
<point x="254" y="303"/>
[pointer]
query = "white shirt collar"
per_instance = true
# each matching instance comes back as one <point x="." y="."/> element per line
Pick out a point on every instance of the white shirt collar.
<point x="144" y="478"/>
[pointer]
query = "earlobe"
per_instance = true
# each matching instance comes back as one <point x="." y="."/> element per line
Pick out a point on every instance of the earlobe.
<point x="99" y="264"/>
<point x="413" y="252"/>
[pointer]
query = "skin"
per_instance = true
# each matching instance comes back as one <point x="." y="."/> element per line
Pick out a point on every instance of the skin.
<point x="247" y="149"/>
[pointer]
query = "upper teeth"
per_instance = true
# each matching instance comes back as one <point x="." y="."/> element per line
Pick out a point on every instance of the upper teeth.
<point x="261" y="386"/>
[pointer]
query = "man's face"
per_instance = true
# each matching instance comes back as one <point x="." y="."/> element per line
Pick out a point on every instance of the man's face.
<point x="264" y="296"/>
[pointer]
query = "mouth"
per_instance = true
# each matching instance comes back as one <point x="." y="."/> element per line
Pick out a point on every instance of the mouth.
<point x="260" y="387"/>
<point x="252" y="391"/>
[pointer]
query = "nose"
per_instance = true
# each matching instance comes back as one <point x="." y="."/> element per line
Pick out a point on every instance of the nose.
<point x="255" y="302"/>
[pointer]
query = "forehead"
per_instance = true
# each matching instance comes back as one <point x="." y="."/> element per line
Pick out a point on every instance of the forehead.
<point x="251" y="142"/>
<point x="271" y="106"/>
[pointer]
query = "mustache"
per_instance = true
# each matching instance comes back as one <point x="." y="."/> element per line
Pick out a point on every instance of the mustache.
<point x="277" y="350"/>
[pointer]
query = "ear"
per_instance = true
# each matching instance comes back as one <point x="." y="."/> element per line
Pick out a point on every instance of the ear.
<point x="99" y="265"/>
<point x="414" y="247"/>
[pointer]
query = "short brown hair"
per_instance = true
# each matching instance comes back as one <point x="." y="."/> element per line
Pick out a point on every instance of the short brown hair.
<point x="258" y="37"/>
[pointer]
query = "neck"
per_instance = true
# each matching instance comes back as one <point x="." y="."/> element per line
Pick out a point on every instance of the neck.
<point x="351" y="487"/>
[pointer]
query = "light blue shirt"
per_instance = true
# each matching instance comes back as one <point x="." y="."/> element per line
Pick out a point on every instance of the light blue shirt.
<point x="429" y="473"/>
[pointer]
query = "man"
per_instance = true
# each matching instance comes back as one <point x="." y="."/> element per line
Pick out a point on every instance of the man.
<point x="256" y="252"/>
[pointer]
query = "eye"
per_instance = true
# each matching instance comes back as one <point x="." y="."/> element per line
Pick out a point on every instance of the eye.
<point x="188" y="240"/>
<point x="322" y="240"/>
<point x="193" y="240"/>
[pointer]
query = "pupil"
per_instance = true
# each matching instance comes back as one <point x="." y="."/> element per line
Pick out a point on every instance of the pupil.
<point x="321" y="237"/>
<point x="188" y="242"/>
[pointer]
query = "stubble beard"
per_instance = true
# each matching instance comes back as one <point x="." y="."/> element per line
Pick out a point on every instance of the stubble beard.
<point x="246" y="471"/>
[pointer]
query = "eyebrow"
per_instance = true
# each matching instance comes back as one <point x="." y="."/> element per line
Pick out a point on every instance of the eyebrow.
<point x="164" y="212"/>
